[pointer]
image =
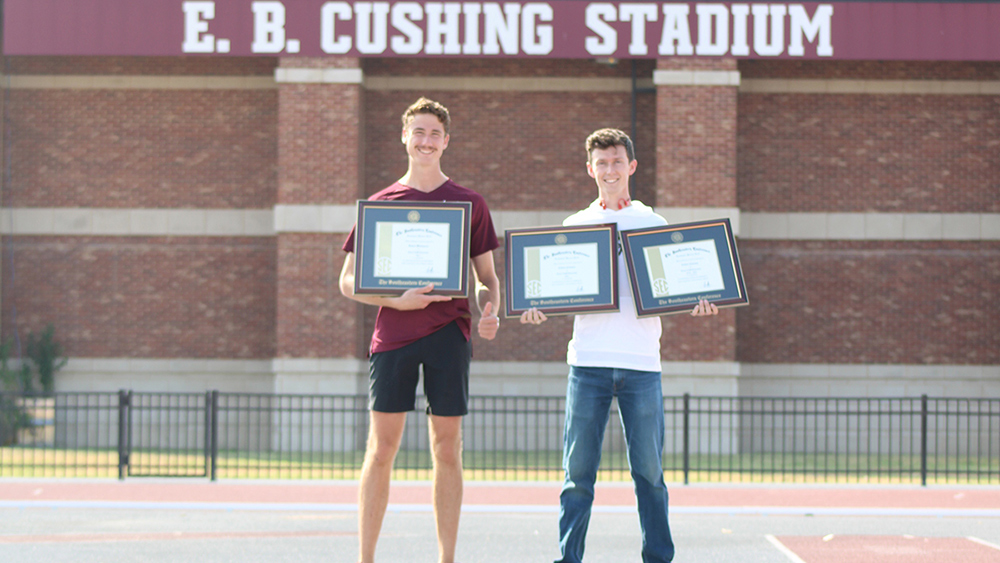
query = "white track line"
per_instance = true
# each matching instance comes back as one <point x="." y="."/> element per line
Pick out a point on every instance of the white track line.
<point x="983" y="542"/>
<point x="781" y="547"/>
<point x="837" y="511"/>
<point x="507" y="508"/>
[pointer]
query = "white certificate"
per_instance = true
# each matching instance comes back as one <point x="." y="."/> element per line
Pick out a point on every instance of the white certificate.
<point x="412" y="250"/>
<point x="561" y="270"/>
<point x="681" y="269"/>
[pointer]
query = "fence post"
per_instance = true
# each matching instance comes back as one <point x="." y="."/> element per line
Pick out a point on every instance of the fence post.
<point x="923" y="440"/>
<point x="207" y="449"/>
<point x="214" y="410"/>
<point x="123" y="433"/>
<point x="687" y="435"/>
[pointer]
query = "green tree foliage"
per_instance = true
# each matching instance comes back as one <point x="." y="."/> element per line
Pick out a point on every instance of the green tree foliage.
<point x="13" y="383"/>
<point x="46" y="354"/>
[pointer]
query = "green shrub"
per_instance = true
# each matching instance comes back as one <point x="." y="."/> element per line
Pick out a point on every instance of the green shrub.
<point x="13" y="383"/>
<point x="46" y="354"/>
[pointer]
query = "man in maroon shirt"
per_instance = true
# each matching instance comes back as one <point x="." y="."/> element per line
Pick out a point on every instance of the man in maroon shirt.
<point x="419" y="328"/>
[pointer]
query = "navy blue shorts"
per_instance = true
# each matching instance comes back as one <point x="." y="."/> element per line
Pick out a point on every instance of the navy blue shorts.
<point x="445" y="356"/>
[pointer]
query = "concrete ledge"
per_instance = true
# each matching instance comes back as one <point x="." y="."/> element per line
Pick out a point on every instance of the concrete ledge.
<point x="166" y="365"/>
<point x="874" y="87"/>
<point x="690" y="214"/>
<point x="869" y="380"/>
<point x="318" y="75"/>
<point x="503" y="84"/>
<point x="340" y="219"/>
<point x="871" y="226"/>
<point x="320" y="376"/>
<point x="701" y="368"/>
<point x="324" y="376"/>
<point x="136" y="222"/>
<point x="314" y="218"/>
<point x="177" y="375"/>
<point x="318" y="365"/>
<point x="696" y="77"/>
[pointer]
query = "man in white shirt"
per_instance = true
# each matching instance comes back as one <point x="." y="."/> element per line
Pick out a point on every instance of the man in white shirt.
<point x="614" y="355"/>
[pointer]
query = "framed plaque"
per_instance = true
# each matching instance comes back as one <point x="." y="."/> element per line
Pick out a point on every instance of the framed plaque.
<point x="562" y="270"/>
<point x="400" y="245"/>
<point x="674" y="266"/>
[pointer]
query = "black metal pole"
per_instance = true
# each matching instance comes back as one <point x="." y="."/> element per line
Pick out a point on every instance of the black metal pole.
<point x="923" y="440"/>
<point x="123" y="433"/>
<point x="214" y="416"/>
<point x="687" y="436"/>
<point x="207" y="449"/>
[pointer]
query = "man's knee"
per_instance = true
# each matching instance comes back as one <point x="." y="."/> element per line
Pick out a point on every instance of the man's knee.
<point x="446" y="441"/>
<point x="448" y="451"/>
<point x="381" y="452"/>
<point x="384" y="436"/>
<point x="649" y="470"/>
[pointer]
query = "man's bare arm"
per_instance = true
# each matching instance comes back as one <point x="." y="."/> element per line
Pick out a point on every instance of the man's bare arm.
<point x="410" y="300"/>
<point x="487" y="294"/>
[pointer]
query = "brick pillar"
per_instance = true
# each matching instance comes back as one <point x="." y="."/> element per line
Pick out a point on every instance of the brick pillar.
<point x="320" y="140"/>
<point x="696" y="171"/>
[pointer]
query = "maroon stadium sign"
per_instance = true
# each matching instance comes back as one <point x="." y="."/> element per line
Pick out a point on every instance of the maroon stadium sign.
<point x="563" y="29"/>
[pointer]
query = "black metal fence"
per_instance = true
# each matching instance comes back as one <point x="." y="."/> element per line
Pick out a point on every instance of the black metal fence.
<point x="709" y="439"/>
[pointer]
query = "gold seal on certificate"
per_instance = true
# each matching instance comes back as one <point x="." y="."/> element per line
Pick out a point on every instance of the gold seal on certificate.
<point x="672" y="267"/>
<point x="406" y="244"/>
<point x="562" y="270"/>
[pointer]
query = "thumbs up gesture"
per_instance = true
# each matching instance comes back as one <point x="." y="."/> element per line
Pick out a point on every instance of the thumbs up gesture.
<point x="489" y="323"/>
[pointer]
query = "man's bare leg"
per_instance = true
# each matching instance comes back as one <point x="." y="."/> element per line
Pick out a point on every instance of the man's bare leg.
<point x="384" y="435"/>
<point x="446" y="449"/>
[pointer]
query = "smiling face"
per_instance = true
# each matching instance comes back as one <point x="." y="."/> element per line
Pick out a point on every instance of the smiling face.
<point x="425" y="139"/>
<point x="611" y="168"/>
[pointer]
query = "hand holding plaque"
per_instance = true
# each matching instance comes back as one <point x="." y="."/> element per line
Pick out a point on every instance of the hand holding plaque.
<point x="673" y="267"/>
<point x="562" y="270"/>
<point x="402" y="245"/>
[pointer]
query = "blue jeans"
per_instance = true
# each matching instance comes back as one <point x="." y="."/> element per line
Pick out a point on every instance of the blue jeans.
<point x="588" y="406"/>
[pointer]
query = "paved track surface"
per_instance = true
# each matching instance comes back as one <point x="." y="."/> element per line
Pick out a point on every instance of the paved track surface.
<point x="194" y="520"/>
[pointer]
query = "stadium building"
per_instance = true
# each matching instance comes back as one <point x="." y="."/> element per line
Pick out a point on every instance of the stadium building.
<point x="179" y="177"/>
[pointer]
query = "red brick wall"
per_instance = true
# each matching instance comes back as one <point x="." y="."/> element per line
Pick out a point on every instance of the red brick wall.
<point x="319" y="139"/>
<point x="521" y="150"/>
<point x="216" y="297"/>
<point x="318" y="143"/>
<point x="320" y="136"/>
<point x="854" y="153"/>
<point x="870" y="302"/>
<point x="313" y="319"/>
<point x="709" y="339"/>
<point x="142" y="148"/>
<point x="696" y="167"/>
<point x="144" y="297"/>
<point x="696" y="140"/>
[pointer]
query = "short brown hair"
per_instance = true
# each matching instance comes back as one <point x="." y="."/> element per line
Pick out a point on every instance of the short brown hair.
<point x="424" y="105"/>
<point x="607" y="138"/>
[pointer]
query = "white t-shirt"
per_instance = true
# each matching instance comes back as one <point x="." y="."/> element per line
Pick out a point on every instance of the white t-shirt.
<point x="616" y="340"/>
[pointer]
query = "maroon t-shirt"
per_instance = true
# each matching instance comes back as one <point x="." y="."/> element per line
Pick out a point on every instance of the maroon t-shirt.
<point x="394" y="328"/>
